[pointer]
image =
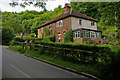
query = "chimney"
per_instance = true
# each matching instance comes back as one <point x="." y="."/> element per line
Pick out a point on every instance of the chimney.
<point x="67" y="7"/>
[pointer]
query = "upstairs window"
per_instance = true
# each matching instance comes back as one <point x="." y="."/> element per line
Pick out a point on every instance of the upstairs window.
<point x="92" y="23"/>
<point x="49" y="27"/>
<point x="80" y="21"/>
<point x="59" y="23"/>
<point x="59" y="37"/>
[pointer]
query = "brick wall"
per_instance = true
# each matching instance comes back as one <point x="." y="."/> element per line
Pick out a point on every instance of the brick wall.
<point x="66" y="25"/>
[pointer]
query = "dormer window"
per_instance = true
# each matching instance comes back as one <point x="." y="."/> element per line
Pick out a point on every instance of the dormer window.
<point x="80" y="21"/>
<point x="59" y="23"/>
<point x="92" y="23"/>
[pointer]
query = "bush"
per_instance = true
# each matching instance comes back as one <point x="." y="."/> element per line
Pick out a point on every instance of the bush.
<point x="20" y="39"/>
<point x="7" y="35"/>
<point x="68" y="36"/>
<point x="110" y="68"/>
<point x="32" y="34"/>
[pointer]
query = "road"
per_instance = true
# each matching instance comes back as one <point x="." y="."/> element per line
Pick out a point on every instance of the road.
<point x="16" y="65"/>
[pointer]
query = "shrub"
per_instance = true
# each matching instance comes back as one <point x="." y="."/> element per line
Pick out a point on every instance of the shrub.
<point x="7" y="35"/>
<point x="52" y="38"/>
<point x="32" y="34"/>
<point x="47" y="32"/>
<point x="68" y="36"/>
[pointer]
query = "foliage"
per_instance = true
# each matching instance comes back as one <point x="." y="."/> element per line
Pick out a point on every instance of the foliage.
<point x="47" y="32"/>
<point x="110" y="68"/>
<point x="7" y="35"/>
<point x="68" y="36"/>
<point x="32" y="34"/>
<point x="21" y="39"/>
<point x="118" y="34"/>
<point x="22" y="21"/>
<point x="23" y="4"/>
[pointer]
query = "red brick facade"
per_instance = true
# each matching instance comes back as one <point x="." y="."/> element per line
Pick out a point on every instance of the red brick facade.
<point x="66" y="25"/>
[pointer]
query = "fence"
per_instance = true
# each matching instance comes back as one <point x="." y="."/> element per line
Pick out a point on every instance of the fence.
<point x="78" y="54"/>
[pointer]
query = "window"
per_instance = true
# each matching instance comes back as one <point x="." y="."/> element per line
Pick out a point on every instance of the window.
<point x="92" y="23"/>
<point x="87" y="34"/>
<point x="49" y="27"/>
<point x="81" y="34"/>
<point x="98" y="35"/>
<point x="80" y="21"/>
<point x="74" y="35"/>
<point x="78" y="33"/>
<point x="59" y="37"/>
<point x="59" y="23"/>
<point x="84" y="33"/>
<point x="92" y="34"/>
<point x="64" y="32"/>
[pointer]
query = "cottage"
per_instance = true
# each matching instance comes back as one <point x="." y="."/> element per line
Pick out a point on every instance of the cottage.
<point x="84" y="27"/>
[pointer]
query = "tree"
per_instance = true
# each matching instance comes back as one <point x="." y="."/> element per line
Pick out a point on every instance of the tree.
<point x="14" y="24"/>
<point x="24" y="3"/>
<point x="7" y="35"/>
<point x="68" y="37"/>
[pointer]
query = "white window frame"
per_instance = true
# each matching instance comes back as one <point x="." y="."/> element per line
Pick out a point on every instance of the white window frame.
<point x="92" y="23"/>
<point x="49" y="27"/>
<point x="59" y="36"/>
<point x="88" y="32"/>
<point x="84" y="34"/>
<point x="59" y="23"/>
<point x="79" y="34"/>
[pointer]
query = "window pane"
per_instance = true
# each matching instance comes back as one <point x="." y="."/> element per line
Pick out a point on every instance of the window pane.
<point x="74" y="35"/>
<point x="84" y="33"/>
<point x="78" y="34"/>
<point x="80" y="21"/>
<point x="81" y="34"/>
<point x="49" y="27"/>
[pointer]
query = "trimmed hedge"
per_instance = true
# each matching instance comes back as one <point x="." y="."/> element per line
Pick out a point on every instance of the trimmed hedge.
<point x="19" y="39"/>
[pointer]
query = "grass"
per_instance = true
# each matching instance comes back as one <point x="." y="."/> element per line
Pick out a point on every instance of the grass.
<point x="91" y="69"/>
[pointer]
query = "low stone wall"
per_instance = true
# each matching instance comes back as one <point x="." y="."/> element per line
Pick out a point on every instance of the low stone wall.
<point x="78" y="40"/>
<point x="88" y="40"/>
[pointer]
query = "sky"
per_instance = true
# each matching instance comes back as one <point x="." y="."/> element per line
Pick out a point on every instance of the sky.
<point x="50" y="5"/>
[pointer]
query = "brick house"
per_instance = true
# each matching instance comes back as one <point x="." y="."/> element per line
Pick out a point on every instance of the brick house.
<point x="84" y="27"/>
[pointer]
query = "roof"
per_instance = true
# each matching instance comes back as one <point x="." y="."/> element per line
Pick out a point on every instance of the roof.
<point x="86" y="29"/>
<point x="68" y="14"/>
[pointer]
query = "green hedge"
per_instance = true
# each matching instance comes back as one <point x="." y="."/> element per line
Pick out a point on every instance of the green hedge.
<point x="68" y="52"/>
<point x="19" y="39"/>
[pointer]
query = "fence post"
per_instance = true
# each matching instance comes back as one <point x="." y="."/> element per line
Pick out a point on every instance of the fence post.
<point x="26" y="45"/>
<point x="31" y="44"/>
<point x="23" y="45"/>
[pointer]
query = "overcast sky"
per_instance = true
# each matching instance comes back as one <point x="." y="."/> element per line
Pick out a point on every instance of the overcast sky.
<point x="50" y="5"/>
